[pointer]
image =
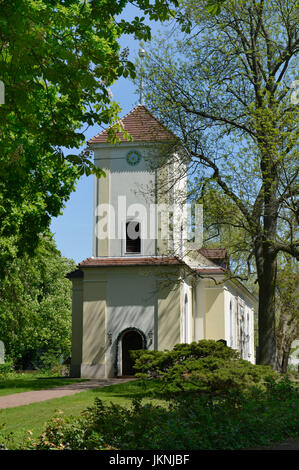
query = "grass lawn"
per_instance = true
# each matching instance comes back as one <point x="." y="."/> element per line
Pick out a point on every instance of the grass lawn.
<point x="27" y="382"/>
<point x="32" y="417"/>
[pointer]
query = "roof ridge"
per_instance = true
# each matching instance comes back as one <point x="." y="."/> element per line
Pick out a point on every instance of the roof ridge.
<point x="130" y="261"/>
<point x="126" y="116"/>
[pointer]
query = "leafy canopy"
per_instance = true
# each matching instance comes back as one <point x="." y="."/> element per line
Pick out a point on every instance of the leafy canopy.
<point x="57" y="60"/>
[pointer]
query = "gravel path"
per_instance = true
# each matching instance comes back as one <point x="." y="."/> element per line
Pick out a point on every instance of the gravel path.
<point x="25" y="398"/>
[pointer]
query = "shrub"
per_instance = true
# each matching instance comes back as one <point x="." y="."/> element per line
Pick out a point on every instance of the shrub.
<point x="5" y="369"/>
<point x="192" y="422"/>
<point x="62" y="433"/>
<point x="208" y="366"/>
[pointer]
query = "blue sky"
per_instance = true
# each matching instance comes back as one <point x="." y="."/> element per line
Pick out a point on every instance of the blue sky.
<point x="74" y="228"/>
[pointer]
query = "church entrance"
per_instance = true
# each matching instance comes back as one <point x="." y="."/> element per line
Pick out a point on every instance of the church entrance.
<point x="131" y="340"/>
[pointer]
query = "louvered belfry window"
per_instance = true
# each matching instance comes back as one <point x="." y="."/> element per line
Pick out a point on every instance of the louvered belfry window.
<point x="133" y="244"/>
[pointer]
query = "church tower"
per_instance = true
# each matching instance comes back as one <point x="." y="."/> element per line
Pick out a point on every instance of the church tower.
<point x="133" y="205"/>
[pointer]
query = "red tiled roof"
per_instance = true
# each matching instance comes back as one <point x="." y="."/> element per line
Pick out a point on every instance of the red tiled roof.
<point x="142" y="261"/>
<point x="142" y="125"/>
<point x="134" y="261"/>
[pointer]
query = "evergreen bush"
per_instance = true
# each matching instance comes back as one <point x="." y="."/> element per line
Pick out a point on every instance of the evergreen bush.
<point x="209" y="366"/>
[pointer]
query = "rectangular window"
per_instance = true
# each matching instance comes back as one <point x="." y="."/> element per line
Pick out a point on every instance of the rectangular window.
<point x="133" y="241"/>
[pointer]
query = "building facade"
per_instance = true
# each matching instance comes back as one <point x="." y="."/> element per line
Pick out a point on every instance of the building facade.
<point x="146" y="285"/>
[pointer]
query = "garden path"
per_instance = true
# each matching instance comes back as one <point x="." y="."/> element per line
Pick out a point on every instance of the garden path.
<point x="25" y="398"/>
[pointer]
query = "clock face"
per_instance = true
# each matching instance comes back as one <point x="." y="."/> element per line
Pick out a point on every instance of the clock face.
<point x="133" y="157"/>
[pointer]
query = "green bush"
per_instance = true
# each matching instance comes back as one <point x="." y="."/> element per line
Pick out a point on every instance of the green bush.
<point x="192" y="422"/>
<point x="209" y="366"/>
<point x="5" y="369"/>
<point x="62" y="433"/>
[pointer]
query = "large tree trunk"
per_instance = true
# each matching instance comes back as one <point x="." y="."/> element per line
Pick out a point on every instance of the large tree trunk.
<point x="265" y="255"/>
<point x="267" y="349"/>
<point x="285" y="361"/>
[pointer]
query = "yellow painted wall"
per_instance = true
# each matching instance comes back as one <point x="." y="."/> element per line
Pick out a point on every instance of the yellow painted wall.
<point x="77" y="316"/>
<point x="214" y="320"/>
<point x="94" y="322"/>
<point x="163" y="198"/>
<point x="199" y="309"/>
<point x="102" y="188"/>
<point x="168" y="314"/>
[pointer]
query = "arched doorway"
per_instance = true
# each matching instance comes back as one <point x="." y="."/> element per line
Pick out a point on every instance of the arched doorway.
<point x="128" y="340"/>
<point x="131" y="340"/>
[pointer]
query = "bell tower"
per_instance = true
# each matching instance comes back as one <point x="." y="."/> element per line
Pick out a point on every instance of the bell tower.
<point x="133" y="204"/>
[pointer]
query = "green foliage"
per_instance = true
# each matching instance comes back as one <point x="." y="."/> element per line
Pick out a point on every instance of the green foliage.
<point x="209" y="366"/>
<point x="5" y="369"/>
<point x="236" y="421"/>
<point x="35" y="308"/>
<point x="214" y="6"/>
<point x="62" y="433"/>
<point x="57" y="60"/>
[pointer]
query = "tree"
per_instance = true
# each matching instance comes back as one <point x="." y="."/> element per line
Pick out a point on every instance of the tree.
<point x="224" y="227"/>
<point x="226" y="91"/>
<point x="57" y="60"/>
<point x="35" y="307"/>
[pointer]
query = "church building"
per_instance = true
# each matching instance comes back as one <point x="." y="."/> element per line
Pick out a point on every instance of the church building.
<point x="147" y="285"/>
